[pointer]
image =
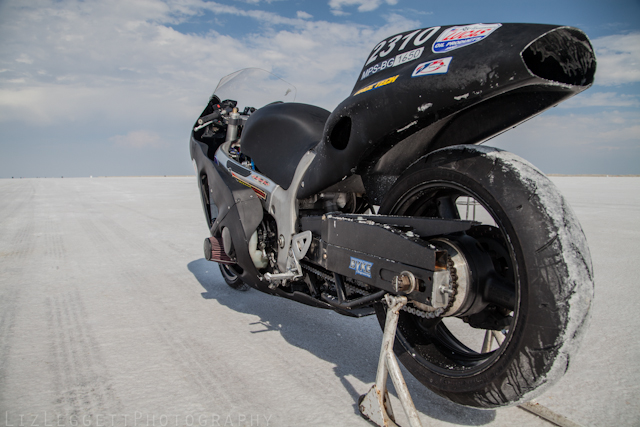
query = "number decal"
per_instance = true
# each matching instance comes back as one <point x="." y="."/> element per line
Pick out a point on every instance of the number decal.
<point x="392" y="45"/>
<point x="425" y="35"/>
<point x="407" y="38"/>
<point x="375" y="52"/>
<point x="421" y="38"/>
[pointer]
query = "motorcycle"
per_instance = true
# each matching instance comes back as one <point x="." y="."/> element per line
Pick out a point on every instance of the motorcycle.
<point x="391" y="193"/>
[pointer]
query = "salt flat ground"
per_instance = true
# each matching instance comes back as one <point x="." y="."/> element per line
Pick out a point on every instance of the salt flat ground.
<point x="109" y="315"/>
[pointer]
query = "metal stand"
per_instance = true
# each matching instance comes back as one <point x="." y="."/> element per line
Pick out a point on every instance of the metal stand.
<point x="375" y="405"/>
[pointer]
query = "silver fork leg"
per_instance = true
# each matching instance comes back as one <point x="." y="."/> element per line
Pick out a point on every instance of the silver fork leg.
<point x="375" y="405"/>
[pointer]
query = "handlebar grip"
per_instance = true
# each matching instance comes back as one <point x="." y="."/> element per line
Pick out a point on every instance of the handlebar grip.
<point x="209" y="117"/>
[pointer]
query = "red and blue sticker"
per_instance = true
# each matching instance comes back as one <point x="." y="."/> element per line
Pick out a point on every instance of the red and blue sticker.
<point x="457" y="37"/>
<point x="437" y="66"/>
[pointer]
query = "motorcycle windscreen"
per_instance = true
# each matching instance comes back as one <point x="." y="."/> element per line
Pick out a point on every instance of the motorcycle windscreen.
<point x="254" y="87"/>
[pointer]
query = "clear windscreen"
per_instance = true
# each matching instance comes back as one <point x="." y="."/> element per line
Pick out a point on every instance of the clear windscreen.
<point x="254" y="87"/>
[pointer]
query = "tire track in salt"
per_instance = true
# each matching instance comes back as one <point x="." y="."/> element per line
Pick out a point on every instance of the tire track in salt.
<point x="199" y="368"/>
<point x="81" y="378"/>
<point x="17" y="245"/>
<point x="8" y="308"/>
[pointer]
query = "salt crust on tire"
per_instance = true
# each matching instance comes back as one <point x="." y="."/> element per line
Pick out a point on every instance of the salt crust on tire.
<point x="574" y="251"/>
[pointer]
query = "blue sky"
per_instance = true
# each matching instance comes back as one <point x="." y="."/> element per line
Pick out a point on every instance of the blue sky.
<point x="100" y="87"/>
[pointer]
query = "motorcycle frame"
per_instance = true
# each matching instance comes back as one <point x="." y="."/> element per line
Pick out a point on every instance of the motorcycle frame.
<point x="280" y="203"/>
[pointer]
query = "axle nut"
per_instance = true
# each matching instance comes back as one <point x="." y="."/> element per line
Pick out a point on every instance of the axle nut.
<point x="404" y="283"/>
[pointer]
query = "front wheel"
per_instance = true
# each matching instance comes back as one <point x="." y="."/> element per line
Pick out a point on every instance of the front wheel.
<point x="522" y="278"/>
<point x="232" y="278"/>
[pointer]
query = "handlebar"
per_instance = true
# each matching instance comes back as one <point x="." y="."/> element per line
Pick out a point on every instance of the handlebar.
<point x="209" y="117"/>
<point x="221" y="110"/>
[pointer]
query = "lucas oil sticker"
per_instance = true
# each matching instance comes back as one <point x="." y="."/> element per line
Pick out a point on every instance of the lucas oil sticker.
<point x="457" y="37"/>
<point x="399" y="59"/>
<point x="437" y="66"/>
<point x="361" y="267"/>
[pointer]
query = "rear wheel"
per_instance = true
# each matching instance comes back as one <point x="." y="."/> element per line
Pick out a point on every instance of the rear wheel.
<point x="523" y="278"/>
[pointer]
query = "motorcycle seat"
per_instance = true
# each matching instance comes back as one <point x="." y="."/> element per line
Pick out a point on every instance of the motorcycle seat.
<point x="278" y="135"/>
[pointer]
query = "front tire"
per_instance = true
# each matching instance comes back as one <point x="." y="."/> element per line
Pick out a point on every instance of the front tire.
<point x="535" y="243"/>
<point x="232" y="278"/>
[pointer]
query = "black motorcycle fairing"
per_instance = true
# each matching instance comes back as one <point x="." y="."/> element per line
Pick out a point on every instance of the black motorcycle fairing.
<point x="487" y="119"/>
<point x="276" y="137"/>
<point x="508" y="68"/>
<point x="239" y="209"/>
<point x="226" y="192"/>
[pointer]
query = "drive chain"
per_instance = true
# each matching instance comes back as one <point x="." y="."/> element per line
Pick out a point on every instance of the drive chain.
<point x="411" y="310"/>
<point x="329" y="278"/>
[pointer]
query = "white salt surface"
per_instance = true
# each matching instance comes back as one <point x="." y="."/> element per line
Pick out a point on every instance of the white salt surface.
<point x="110" y="316"/>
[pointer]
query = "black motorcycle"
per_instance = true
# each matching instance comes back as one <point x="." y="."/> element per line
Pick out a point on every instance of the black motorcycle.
<point x="391" y="193"/>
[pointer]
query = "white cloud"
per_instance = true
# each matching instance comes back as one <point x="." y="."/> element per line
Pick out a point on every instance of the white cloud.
<point x="605" y="129"/>
<point x="24" y="58"/>
<point x="618" y="59"/>
<point x="120" y="67"/>
<point x="140" y="139"/>
<point x="123" y="62"/>
<point x="605" y="142"/>
<point x="363" y="5"/>
<point x="258" y="1"/>
<point x="602" y="99"/>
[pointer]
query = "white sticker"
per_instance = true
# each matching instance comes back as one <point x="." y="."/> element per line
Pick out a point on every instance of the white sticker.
<point x="399" y="59"/>
<point x="407" y="56"/>
<point x="457" y="37"/>
<point x="437" y="66"/>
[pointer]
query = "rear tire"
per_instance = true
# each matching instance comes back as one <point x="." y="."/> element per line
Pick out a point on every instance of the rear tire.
<point x="536" y="243"/>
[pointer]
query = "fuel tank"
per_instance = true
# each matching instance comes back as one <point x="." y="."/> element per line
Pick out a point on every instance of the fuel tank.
<point x="425" y="89"/>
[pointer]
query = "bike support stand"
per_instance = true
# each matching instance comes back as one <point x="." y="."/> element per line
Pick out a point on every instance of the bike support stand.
<point x="375" y="405"/>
